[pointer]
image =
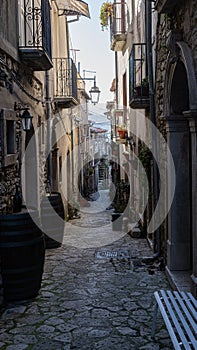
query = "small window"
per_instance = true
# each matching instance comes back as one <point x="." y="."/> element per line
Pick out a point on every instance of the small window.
<point x="8" y="137"/>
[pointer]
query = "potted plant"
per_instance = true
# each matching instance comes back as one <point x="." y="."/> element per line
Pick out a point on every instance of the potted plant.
<point x="106" y="11"/>
<point x="122" y="133"/>
<point x="143" y="89"/>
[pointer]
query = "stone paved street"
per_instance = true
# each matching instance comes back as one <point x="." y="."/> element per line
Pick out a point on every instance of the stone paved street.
<point x="99" y="297"/>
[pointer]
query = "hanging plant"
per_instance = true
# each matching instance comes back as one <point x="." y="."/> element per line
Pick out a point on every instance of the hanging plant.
<point x="106" y="11"/>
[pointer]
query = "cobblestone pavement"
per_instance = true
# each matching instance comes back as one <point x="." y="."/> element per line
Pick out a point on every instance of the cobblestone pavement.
<point x="91" y="298"/>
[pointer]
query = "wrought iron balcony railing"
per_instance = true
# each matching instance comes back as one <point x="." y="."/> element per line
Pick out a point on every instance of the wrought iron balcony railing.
<point x="138" y="77"/>
<point x="35" y="34"/>
<point x="118" y="26"/>
<point x="65" y="82"/>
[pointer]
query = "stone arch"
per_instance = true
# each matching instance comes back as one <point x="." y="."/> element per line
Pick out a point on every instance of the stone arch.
<point x="180" y="76"/>
<point x="179" y="93"/>
<point x="180" y="98"/>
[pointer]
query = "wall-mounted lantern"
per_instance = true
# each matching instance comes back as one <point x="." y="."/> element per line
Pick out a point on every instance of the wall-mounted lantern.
<point x="26" y="118"/>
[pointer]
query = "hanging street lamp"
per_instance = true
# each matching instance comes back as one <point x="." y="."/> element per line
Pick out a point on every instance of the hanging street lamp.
<point x="94" y="93"/>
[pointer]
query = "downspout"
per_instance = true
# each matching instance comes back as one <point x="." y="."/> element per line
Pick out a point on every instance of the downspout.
<point x="116" y="74"/>
<point x="152" y="115"/>
<point x="71" y="115"/>
<point x="48" y="114"/>
<point x="73" y="151"/>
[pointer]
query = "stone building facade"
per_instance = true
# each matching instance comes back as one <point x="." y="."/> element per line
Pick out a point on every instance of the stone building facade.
<point x="176" y="101"/>
<point x="159" y="44"/>
<point x="38" y="77"/>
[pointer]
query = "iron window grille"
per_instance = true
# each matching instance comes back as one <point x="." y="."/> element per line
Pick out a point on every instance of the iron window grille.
<point x="138" y="77"/>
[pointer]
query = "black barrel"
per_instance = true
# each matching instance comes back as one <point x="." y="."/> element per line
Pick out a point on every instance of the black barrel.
<point x="22" y="252"/>
<point x="52" y="219"/>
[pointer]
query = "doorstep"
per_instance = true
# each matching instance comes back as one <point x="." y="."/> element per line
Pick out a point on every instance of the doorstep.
<point x="179" y="280"/>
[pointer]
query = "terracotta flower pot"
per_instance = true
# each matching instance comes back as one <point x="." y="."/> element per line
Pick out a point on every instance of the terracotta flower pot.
<point x="122" y="134"/>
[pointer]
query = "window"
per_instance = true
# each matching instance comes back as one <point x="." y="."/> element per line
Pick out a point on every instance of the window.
<point x="8" y="137"/>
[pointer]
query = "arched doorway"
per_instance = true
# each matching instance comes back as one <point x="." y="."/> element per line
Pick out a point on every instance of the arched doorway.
<point x="179" y="96"/>
<point x="180" y="106"/>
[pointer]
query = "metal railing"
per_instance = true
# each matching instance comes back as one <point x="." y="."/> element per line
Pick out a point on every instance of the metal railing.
<point x="35" y="25"/>
<point x="65" y="78"/>
<point x="118" y="23"/>
<point x="138" y="77"/>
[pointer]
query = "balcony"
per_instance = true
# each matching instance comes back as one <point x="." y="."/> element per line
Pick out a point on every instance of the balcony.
<point x="65" y="83"/>
<point x="138" y="81"/>
<point x="118" y="26"/>
<point x="35" y="34"/>
<point x="166" y="6"/>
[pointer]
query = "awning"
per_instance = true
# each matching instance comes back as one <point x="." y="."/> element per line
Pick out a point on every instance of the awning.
<point x="73" y="8"/>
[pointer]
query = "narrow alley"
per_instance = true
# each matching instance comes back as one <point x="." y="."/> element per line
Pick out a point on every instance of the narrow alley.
<point x="96" y="298"/>
<point x="98" y="174"/>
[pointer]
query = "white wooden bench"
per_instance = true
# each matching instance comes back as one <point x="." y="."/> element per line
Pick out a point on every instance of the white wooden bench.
<point x="179" y="311"/>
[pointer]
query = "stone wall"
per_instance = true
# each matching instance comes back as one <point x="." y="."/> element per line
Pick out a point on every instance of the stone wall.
<point x="20" y="85"/>
<point x="185" y="20"/>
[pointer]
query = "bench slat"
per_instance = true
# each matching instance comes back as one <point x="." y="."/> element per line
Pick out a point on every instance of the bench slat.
<point x="179" y="311"/>
<point x="175" y="321"/>
<point x="185" y="309"/>
<point x="167" y="321"/>
<point x="190" y="306"/>
<point x="181" y="317"/>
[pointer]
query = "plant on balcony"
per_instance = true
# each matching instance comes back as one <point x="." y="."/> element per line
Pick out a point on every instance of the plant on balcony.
<point x="143" y="89"/>
<point x="122" y="133"/>
<point x="106" y="11"/>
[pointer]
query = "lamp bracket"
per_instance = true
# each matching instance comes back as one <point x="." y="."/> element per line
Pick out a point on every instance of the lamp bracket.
<point x="19" y="107"/>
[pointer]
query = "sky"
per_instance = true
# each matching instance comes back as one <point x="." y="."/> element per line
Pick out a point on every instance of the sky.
<point x="95" y="54"/>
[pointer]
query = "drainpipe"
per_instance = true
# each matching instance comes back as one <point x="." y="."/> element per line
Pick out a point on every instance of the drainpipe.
<point x="116" y="74"/>
<point x="48" y="113"/>
<point x="152" y="114"/>
<point x="73" y="152"/>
